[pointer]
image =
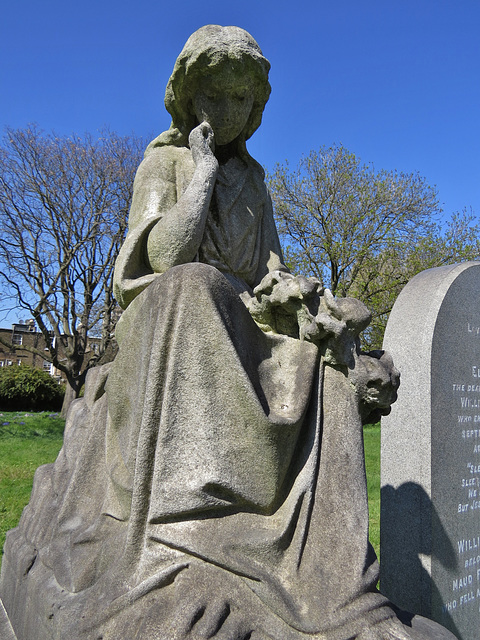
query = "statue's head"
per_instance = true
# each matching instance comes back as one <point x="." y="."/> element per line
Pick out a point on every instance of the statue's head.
<point x="213" y="54"/>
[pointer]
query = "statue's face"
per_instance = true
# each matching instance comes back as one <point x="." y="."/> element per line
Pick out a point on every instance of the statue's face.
<point x="224" y="99"/>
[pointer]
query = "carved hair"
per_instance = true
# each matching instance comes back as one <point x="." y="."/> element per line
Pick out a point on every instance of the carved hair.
<point x="205" y="49"/>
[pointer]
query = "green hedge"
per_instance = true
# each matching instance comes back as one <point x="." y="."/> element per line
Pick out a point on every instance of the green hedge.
<point x="23" y="388"/>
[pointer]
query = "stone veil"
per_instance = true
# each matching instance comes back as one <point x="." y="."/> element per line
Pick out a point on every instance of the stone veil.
<point x="212" y="480"/>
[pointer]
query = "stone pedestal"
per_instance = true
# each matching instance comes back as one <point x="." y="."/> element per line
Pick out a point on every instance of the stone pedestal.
<point x="430" y="514"/>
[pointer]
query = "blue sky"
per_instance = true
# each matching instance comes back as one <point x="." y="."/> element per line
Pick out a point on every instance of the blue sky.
<point x="396" y="81"/>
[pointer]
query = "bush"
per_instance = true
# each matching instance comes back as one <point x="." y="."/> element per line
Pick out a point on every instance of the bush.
<point x="23" y="388"/>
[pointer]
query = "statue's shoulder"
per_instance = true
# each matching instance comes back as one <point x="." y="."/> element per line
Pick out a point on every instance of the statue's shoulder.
<point x="165" y="163"/>
<point x="163" y="174"/>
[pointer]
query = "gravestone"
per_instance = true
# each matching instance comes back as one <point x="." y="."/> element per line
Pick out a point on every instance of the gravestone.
<point x="430" y="513"/>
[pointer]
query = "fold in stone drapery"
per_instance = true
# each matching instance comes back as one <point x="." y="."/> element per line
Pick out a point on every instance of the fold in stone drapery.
<point x="269" y="509"/>
<point x="223" y="405"/>
<point x="240" y="466"/>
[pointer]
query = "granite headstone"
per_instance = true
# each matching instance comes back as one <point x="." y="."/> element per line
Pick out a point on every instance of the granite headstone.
<point x="430" y="513"/>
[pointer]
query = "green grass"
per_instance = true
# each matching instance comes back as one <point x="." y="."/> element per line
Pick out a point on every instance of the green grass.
<point x="27" y="440"/>
<point x="32" y="439"/>
<point x="371" y="436"/>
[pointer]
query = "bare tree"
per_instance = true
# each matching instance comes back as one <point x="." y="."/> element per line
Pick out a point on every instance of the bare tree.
<point x="364" y="232"/>
<point x="63" y="209"/>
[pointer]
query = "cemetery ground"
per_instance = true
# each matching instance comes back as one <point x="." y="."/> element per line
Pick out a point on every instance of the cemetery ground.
<point x="28" y="440"/>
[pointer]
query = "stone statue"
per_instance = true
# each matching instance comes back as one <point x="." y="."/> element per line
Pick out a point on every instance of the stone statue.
<point x="212" y="481"/>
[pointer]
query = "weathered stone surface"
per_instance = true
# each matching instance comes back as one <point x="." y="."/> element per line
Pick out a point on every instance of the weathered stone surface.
<point x="431" y="451"/>
<point x="212" y="480"/>
<point x="6" y="630"/>
<point x="419" y="627"/>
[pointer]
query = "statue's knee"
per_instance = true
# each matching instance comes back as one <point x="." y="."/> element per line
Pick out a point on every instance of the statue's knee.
<point x="196" y="276"/>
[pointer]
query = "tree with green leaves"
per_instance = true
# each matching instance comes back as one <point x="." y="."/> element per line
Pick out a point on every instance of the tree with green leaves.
<point x="63" y="210"/>
<point x="364" y="233"/>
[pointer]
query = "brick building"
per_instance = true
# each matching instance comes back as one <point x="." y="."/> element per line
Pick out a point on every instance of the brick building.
<point x="26" y="334"/>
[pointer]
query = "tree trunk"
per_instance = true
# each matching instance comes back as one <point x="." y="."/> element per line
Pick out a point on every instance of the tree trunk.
<point x="72" y="391"/>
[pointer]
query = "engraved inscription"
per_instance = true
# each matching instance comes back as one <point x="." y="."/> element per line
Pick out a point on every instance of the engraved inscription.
<point x="465" y="586"/>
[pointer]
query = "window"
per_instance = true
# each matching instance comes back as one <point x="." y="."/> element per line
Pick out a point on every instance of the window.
<point x="17" y="339"/>
<point x="8" y="363"/>
<point x="46" y="365"/>
<point x="2" y="363"/>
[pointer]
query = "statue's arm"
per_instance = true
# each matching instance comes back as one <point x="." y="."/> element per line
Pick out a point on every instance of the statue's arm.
<point x="176" y="236"/>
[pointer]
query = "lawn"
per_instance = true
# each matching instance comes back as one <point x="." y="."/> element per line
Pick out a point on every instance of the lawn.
<point x="28" y="440"/>
<point x="371" y="437"/>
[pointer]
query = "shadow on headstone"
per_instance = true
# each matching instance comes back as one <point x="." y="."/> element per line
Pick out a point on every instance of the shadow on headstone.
<point x="398" y="507"/>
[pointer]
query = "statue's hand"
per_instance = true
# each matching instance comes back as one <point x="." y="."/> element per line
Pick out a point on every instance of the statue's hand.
<point x="202" y="145"/>
<point x="206" y="608"/>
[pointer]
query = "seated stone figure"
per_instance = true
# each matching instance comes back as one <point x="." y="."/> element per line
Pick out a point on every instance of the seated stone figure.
<point x="212" y="481"/>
